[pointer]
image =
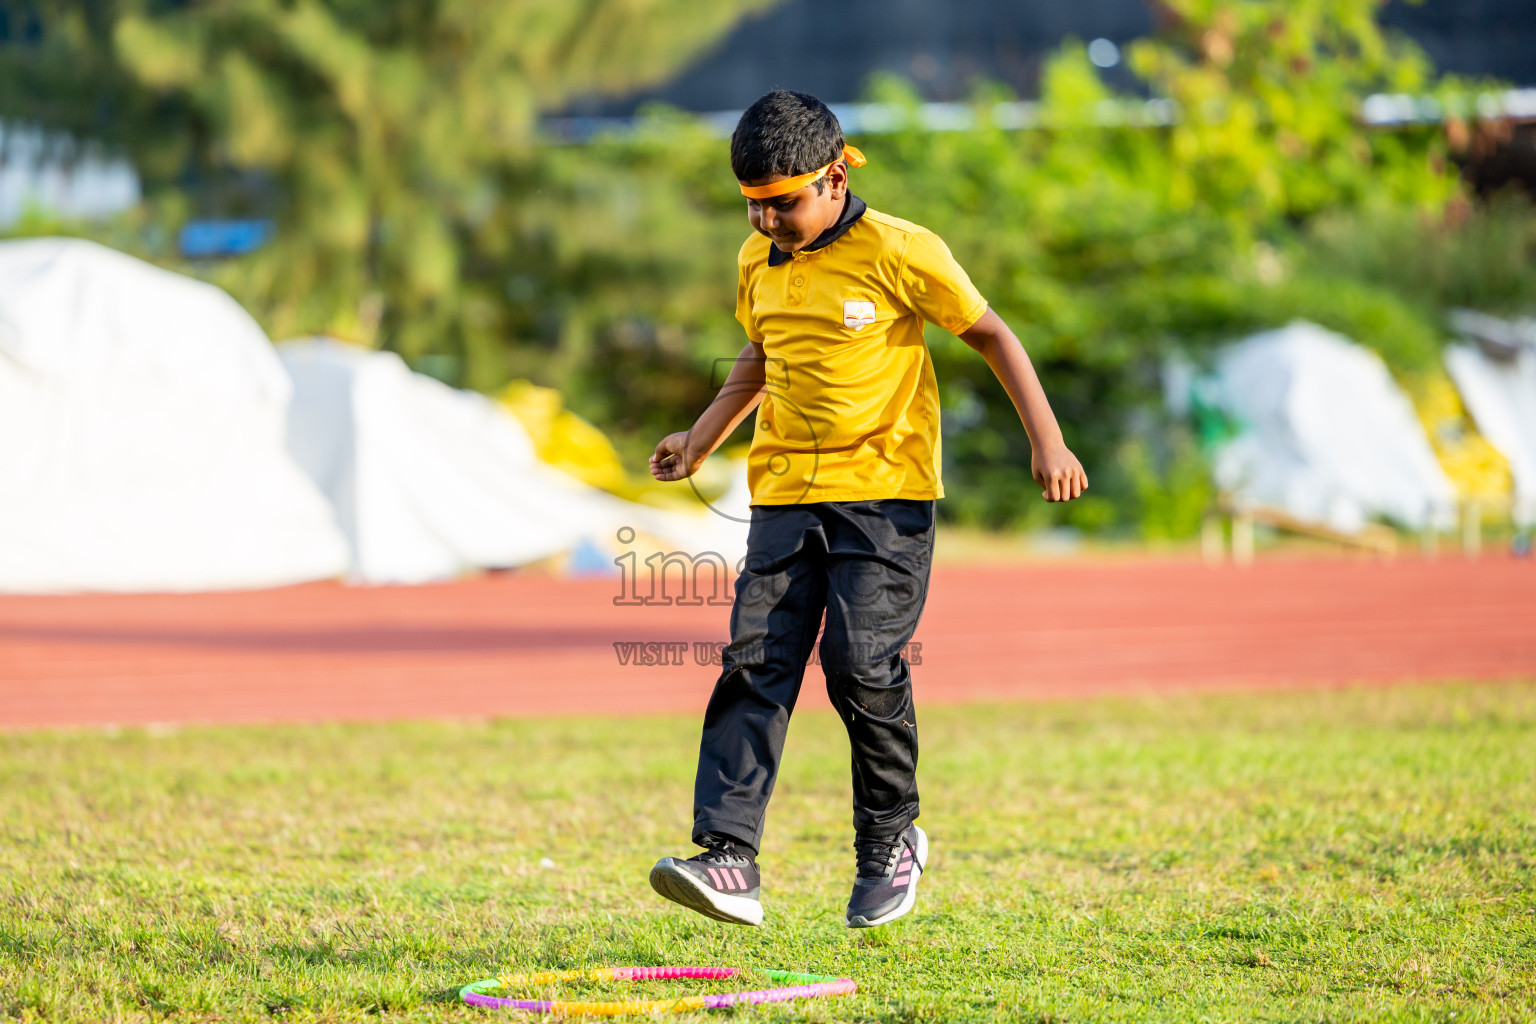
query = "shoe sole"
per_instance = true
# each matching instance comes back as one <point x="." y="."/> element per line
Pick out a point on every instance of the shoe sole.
<point x="682" y="888"/>
<point x="907" y="901"/>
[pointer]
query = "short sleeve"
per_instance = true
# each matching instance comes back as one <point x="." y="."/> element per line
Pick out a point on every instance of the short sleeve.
<point x="936" y="287"/>
<point x="744" y="301"/>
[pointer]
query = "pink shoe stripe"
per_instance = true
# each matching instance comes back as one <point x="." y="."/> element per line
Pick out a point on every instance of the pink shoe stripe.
<point x="739" y="880"/>
<point x="901" y="879"/>
<point x="715" y="876"/>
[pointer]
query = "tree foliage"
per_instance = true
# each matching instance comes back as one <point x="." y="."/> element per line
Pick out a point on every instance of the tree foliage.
<point x="1122" y="229"/>
<point x="1247" y="193"/>
<point x="394" y="143"/>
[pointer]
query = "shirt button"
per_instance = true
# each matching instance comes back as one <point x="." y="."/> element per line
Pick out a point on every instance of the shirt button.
<point x="799" y="281"/>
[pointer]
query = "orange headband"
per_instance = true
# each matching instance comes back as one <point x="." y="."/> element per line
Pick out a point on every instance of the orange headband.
<point x="850" y="153"/>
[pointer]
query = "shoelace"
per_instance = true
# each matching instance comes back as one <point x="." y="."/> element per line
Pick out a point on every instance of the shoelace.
<point x="875" y="856"/>
<point x="722" y="851"/>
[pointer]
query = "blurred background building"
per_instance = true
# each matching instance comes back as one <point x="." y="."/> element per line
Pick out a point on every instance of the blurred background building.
<point x="945" y="47"/>
<point x="942" y="48"/>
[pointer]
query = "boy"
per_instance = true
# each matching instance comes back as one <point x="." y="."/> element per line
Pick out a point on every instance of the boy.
<point x="844" y="471"/>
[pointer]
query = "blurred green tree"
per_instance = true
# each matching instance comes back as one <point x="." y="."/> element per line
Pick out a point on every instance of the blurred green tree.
<point x="1124" y="227"/>
<point x="394" y="143"/>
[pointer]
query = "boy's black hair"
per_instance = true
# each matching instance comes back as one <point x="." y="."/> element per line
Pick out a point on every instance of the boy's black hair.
<point x="785" y="133"/>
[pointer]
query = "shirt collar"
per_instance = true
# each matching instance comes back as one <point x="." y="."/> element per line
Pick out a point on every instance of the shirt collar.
<point x="853" y="209"/>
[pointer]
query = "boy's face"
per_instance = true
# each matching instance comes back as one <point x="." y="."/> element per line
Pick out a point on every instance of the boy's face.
<point x="794" y="220"/>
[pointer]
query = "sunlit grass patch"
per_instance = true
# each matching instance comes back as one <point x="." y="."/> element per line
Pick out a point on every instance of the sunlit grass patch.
<point x="1362" y="854"/>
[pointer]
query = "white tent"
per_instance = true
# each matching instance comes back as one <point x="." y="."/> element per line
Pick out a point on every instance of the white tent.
<point x="1326" y="433"/>
<point x="428" y="481"/>
<point x="142" y="418"/>
<point x="1500" y="393"/>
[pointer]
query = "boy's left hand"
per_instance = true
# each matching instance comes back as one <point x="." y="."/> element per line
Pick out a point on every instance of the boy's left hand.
<point x="1057" y="470"/>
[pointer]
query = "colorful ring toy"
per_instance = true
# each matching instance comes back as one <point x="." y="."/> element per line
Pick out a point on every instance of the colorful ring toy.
<point x="800" y="986"/>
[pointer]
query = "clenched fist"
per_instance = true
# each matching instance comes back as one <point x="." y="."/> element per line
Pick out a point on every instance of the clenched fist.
<point x="1058" y="471"/>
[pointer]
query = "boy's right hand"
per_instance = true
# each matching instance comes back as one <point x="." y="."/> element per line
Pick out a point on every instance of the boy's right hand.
<point x="1056" y="469"/>
<point x="669" y="461"/>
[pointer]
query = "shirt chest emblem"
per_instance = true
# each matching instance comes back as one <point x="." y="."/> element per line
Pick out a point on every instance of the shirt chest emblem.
<point x="858" y="314"/>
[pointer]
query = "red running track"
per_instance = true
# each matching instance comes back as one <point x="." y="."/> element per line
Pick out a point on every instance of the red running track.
<point x="526" y="645"/>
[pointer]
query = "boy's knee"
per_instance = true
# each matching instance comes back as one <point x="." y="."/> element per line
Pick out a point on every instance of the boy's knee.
<point x="871" y="678"/>
<point x="885" y="700"/>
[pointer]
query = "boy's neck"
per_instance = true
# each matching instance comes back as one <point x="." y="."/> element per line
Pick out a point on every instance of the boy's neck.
<point x="833" y="216"/>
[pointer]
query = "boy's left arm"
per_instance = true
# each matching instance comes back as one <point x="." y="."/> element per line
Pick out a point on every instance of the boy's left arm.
<point x="1053" y="466"/>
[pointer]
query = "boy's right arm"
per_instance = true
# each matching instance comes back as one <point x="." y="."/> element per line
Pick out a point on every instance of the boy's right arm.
<point x="680" y="455"/>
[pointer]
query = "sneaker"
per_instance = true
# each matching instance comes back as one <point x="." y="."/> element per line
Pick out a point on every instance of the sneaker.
<point x="889" y="868"/>
<point x="722" y="882"/>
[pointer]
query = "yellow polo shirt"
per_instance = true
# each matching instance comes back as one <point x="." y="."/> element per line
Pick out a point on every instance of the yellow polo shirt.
<point x="851" y="410"/>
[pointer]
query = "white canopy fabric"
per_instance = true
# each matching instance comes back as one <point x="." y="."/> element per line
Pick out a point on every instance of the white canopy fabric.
<point x="142" y="414"/>
<point x="1327" y="435"/>
<point x="1501" y="396"/>
<point x="429" y="482"/>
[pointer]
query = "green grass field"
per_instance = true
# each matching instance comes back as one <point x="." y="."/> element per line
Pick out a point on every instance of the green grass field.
<point x="1326" y="856"/>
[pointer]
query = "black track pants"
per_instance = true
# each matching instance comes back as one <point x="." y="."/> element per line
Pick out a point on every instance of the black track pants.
<point x="865" y="564"/>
